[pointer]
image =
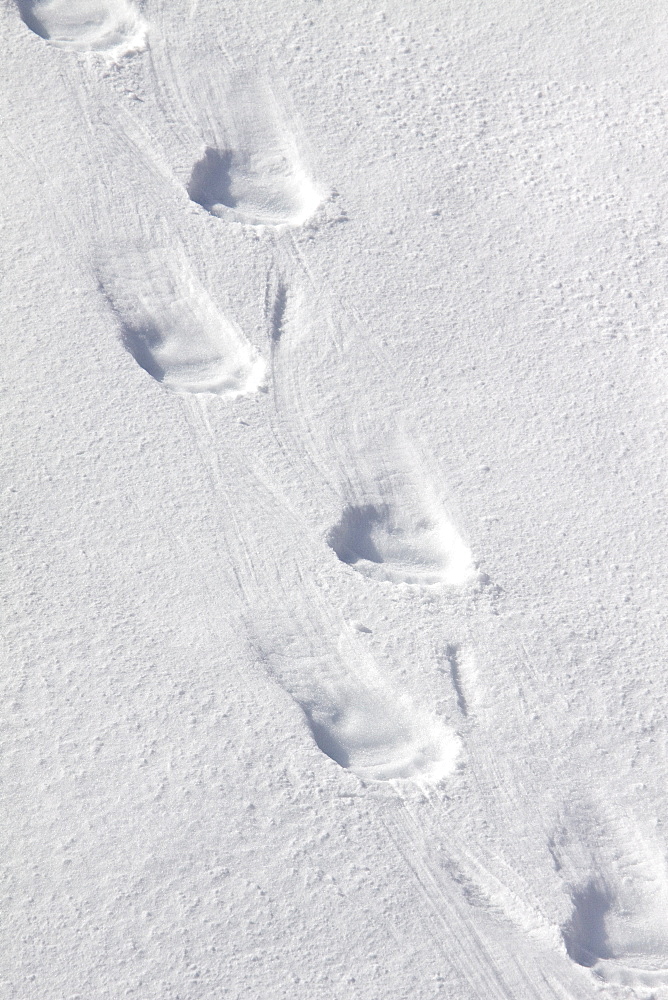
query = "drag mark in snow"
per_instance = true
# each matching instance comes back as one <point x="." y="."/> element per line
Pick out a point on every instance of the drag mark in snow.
<point x="453" y="661"/>
<point x="277" y="317"/>
<point x="175" y="332"/>
<point x="382" y="541"/>
<point x="109" y="27"/>
<point x="381" y="738"/>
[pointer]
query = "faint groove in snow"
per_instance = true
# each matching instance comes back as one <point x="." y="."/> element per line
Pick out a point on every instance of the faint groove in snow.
<point x="109" y="27"/>
<point x="278" y="312"/>
<point x="453" y="659"/>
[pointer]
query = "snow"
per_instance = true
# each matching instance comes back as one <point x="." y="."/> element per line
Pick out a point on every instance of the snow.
<point x="334" y="479"/>
<point x="112" y="28"/>
<point x="172" y="328"/>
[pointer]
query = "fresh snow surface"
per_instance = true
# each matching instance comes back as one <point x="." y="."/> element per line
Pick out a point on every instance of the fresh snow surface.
<point x="334" y="478"/>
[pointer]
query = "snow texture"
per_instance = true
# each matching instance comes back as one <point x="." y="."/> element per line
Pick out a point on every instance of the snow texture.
<point x="334" y="476"/>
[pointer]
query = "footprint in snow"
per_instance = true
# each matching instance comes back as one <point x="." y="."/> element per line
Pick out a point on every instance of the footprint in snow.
<point x="394" y="526"/>
<point x="386" y="541"/>
<point x="380" y="738"/>
<point x="356" y="716"/>
<point x="175" y="332"/>
<point x="110" y="27"/>
<point x="618" y="925"/>
<point x="252" y="171"/>
<point x="622" y="941"/>
<point x="258" y="188"/>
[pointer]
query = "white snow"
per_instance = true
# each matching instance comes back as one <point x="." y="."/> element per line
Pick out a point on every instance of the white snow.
<point x="334" y="481"/>
<point x="172" y="328"/>
<point x="112" y="27"/>
<point x="253" y="174"/>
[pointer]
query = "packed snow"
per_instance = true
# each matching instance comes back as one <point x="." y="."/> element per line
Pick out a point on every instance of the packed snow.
<point x="334" y="477"/>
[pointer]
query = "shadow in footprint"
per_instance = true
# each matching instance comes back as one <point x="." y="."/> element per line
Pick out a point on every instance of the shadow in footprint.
<point x="585" y="935"/>
<point x="26" y="10"/>
<point x="351" y="537"/>
<point x="210" y="181"/>
<point x="328" y="741"/>
<point x="142" y="342"/>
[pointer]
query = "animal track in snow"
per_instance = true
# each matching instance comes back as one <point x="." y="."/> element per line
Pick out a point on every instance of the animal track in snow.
<point x="252" y="170"/>
<point x="381" y="738"/>
<point x="355" y="715"/>
<point x="261" y="189"/>
<point x="618" y="926"/>
<point x="111" y="27"/>
<point x="384" y="542"/>
<point x="174" y="331"/>
<point x="621" y="943"/>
